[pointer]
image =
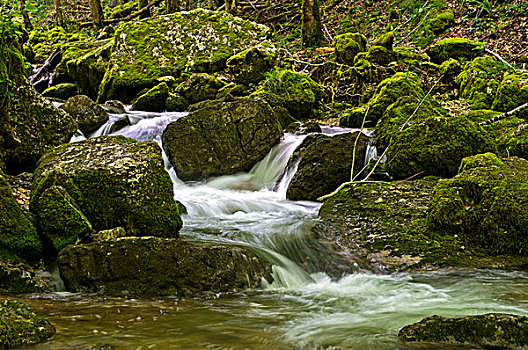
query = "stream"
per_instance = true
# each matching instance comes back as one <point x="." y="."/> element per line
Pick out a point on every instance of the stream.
<point x="306" y="306"/>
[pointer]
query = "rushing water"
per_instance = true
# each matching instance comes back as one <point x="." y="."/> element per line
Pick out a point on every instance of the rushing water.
<point x="302" y="308"/>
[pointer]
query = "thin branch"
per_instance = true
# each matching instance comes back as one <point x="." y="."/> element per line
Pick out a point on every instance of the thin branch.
<point x="496" y="55"/>
<point x="503" y="115"/>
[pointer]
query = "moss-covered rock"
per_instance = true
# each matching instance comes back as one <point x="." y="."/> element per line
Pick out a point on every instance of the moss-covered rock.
<point x="59" y="219"/>
<point x="440" y="23"/>
<point x="123" y="10"/>
<point x="480" y="160"/>
<point x="489" y="331"/>
<point x="348" y="45"/>
<point x="479" y="81"/>
<point x="20" y="325"/>
<point x="194" y="41"/>
<point x="325" y="162"/>
<point x="450" y="68"/>
<point x="154" y="100"/>
<point x="457" y="48"/>
<point x="435" y="146"/>
<point x="18" y="236"/>
<point x="296" y="92"/>
<point x="176" y="103"/>
<point x="62" y="91"/>
<point x="386" y="40"/>
<point x="200" y="87"/>
<point x="17" y="277"/>
<point x="486" y="206"/>
<point x="88" y="114"/>
<point x="512" y="92"/>
<point x="39" y="126"/>
<point x="380" y="55"/>
<point x="115" y="182"/>
<point x="157" y="266"/>
<point x="221" y="138"/>
<point x="250" y="66"/>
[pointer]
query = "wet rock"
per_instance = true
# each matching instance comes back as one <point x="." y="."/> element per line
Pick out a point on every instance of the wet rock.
<point x="114" y="181"/>
<point x="156" y="266"/>
<point x="176" y="103"/>
<point x="22" y="278"/>
<point x="435" y="146"/>
<point x="300" y="128"/>
<point x="21" y="325"/>
<point x="39" y="126"/>
<point x="249" y="66"/>
<point x="88" y="114"/>
<point x="456" y="48"/>
<point x="296" y="92"/>
<point x="221" y="138"/>
<point x="154" y="100"/>
<point x="348" y="45"/>
<point x="491" y="331"/>
<point x="18" y="236"/>
<point x="485" y="205"/>
<point x="111" y="234"/>
<point x="200" y="87"/>
<point x="196" y="41"/>
<point x="325" y="164"/>
<point x="62" y="91"/>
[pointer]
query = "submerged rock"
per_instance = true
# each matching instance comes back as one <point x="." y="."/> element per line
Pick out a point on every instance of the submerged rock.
<point x="325" y="163"/>
<point x="156" y="266"/>
<point x="20" y="325"/>
<point x="88" y="114"/>
<point x="114" y="181"/>
<point x="195" y="41"/>
<point x="222" y="138"/>
<point x="491" y="331"/>
<point x="39" y="126"/>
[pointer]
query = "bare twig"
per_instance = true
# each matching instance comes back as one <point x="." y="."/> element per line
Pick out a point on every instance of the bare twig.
<point x="503" y="115"/>
<point x="496" y="55"/>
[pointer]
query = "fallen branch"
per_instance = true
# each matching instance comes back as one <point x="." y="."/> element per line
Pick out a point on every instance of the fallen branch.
<point x="503" y="115"/>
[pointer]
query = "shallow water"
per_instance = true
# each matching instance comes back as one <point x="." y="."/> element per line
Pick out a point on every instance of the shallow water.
<point x="302" y="308"/>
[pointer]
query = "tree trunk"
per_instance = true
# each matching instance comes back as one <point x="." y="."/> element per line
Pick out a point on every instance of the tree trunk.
<point x="141" y="4"/>
<point x="58" y="13"/>
<point x="172" y="6"/>
<point x="97" y="13"/>
<point x="27" y="22"/>
<point x="230" y="6"/>
<point x="312" y="34"/>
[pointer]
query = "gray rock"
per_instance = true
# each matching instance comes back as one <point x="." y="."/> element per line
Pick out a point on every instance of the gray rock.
<point x="88" y="114"/>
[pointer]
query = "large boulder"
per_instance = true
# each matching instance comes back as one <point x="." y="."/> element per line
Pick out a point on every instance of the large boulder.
<point x="486" y="205"/>
<point x="39" y="126"/>
<point x="456" y="48"/>
<point x="348" y="45"/>
<point x="114" y="181"/>
<point x="512" y="92"/>
<point x="195" y="41"/>
<point x="18" y="236"/>
<point x="489" y="331"/>
<point x="221" y="138"/>
<point x="249" y="66"/>
<point x="200" y="87"/>
<point x="325" y="163"/>
<point x="20" y="325"/>
<point x="158" y="266"/>
<point x="88" y="114"/>
<point x="154" y="100"/>
<point x="61" y="91"/>
<point x="435" y="146"/>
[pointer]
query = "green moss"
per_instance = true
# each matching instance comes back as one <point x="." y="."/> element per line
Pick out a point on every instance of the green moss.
<point x="153" y="100"/>
<point x="480" y="160"/>
<point x="348" y="45"/>
<point x="436" y="146"/>
<point x="250" y="66"/>
<point x="386" y="40"/>
<point x="123" y="10"/>
<point x="479" y="81"/>
<point x="296" y="92"/>
<point x="200" y="87"/>
<point x="512" y="92"/>
<point x="450" y="68"/>
<point x="457" y="48"/>
<point x="62" y="91"/>
<point x="442" y="22"/>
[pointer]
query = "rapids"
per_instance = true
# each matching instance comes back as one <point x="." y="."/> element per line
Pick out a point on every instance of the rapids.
<point x="308" y="305"/>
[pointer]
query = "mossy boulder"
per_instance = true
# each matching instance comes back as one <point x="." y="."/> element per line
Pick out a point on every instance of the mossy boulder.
<point x="489" y="331"/>
<point x="154" y="100"/>
<point x="325" y="162"/>
<point x="20" y="325"/>
<point x="195" y="41"/>
<point x="62" y="91"/>
<point x="485" y="205"/>
<point x="176" y="103"/>
<point x="386" y="40"/>
<point x="39" y="126"/>
<point x="250" y="66"/>
<point x="480" y="160"/>
<point x="479" y="81"/>
<point x="380" y="55"/>
<point x="512" y="92"/>
<point x="88" y="114"/>
<point x="348" y="45"/>
<point x="200" y="87"/>
<point x="114" y="181"/>
<point x="512" y="137"/>
<point x="457" y="48"/>
<point x="435" y="146"/>
<point x="123" y="10"/>
<point x="158" y="266"/>
<point x="59" y="218"/>
<point x="18" y="236"/>
<point x="296" y="92"/>
<point x="221" y="138"/>
<point x="387" y="92"/>
<point x="440" y="23"/>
